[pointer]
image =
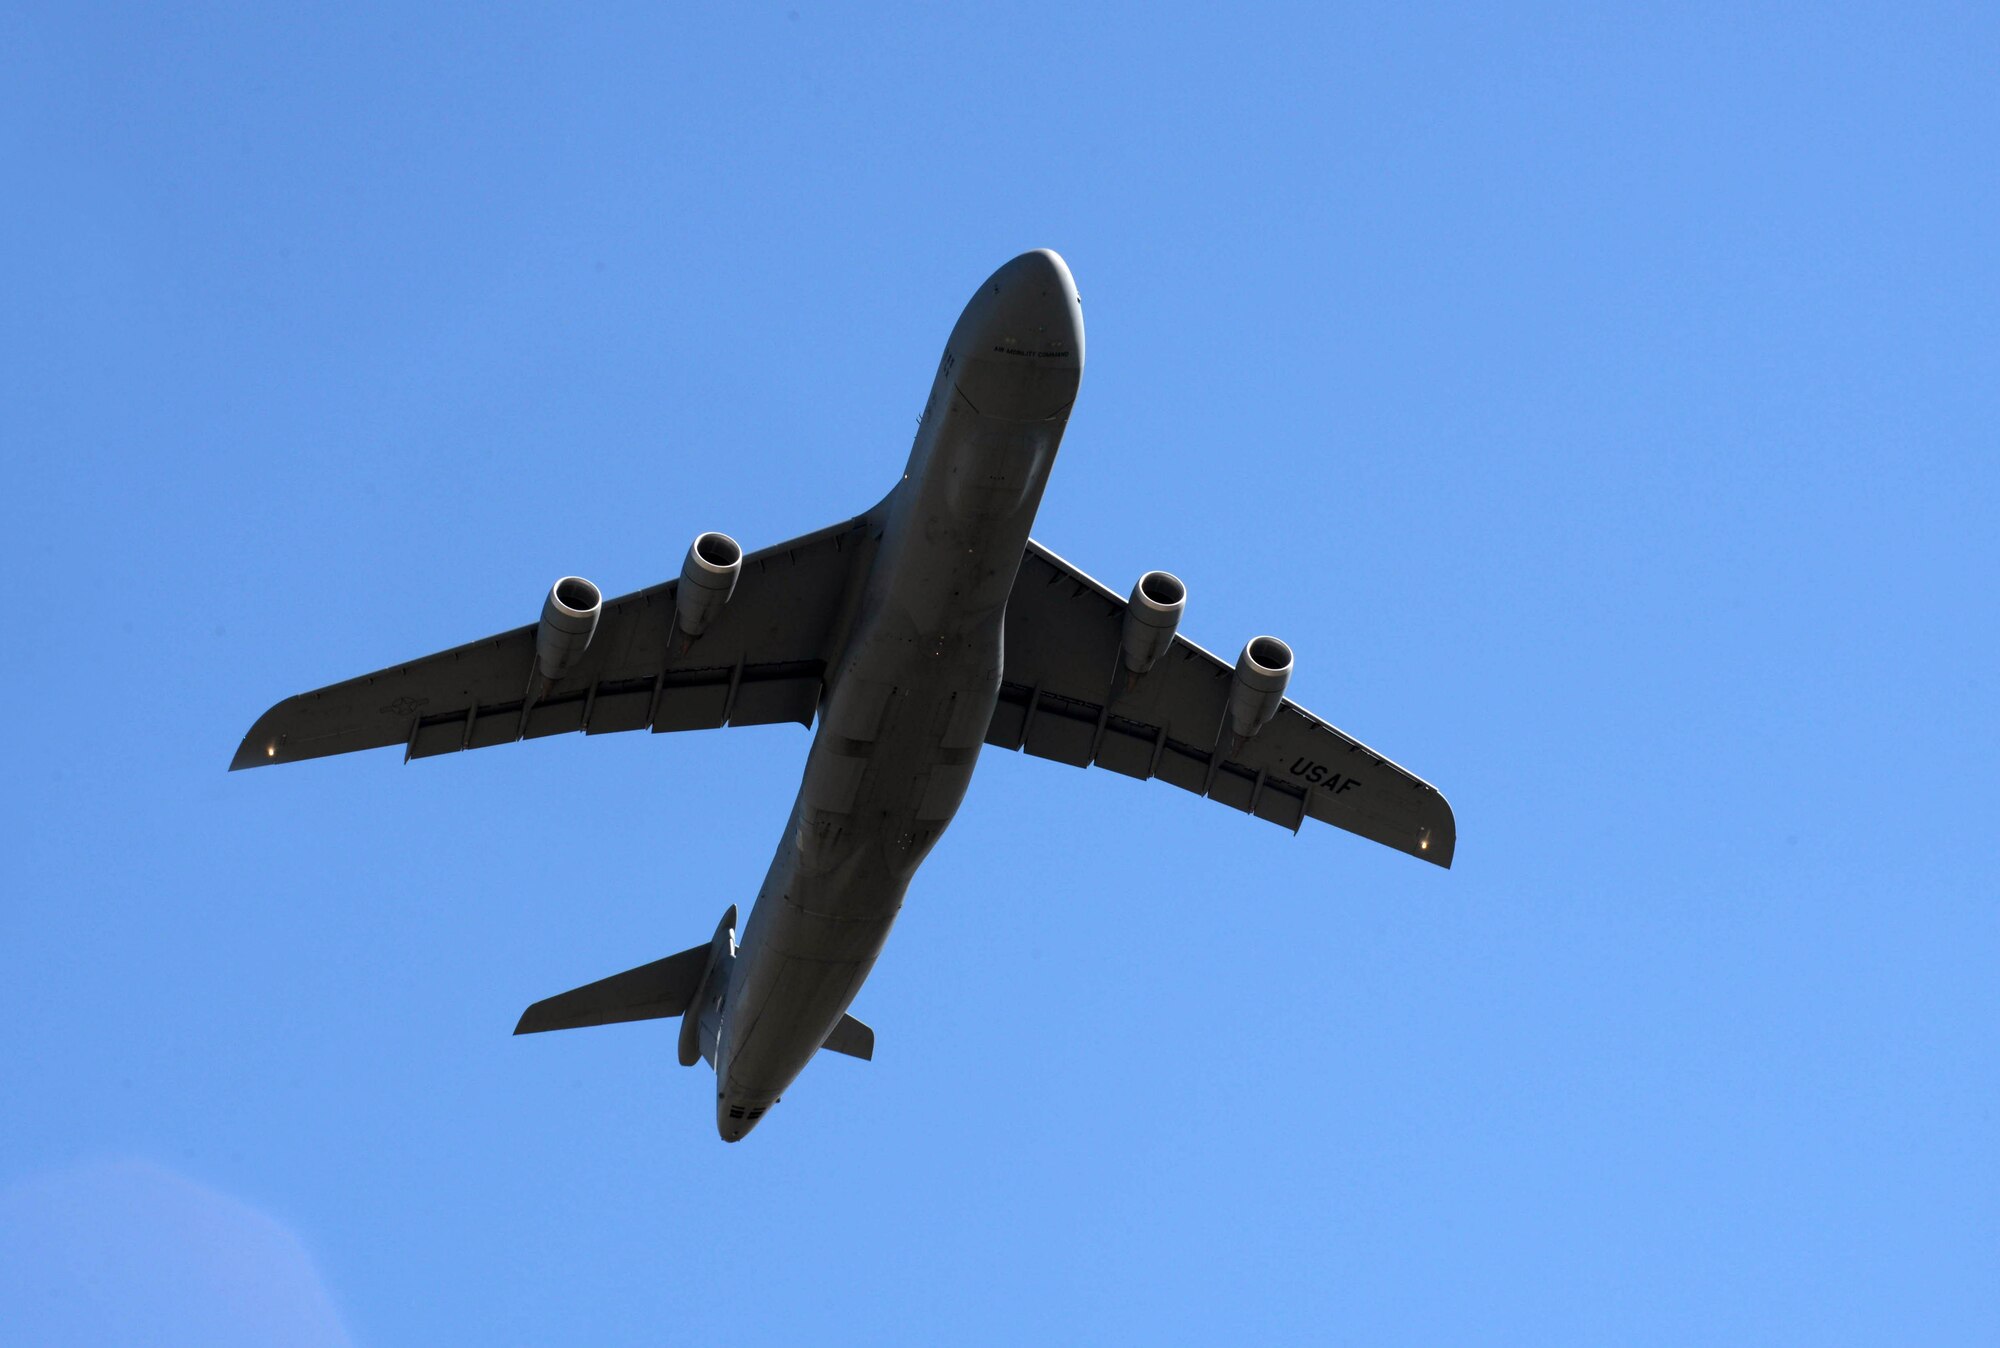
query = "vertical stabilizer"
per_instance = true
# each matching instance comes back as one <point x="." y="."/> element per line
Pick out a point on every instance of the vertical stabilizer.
<point x="703" y="1021"/>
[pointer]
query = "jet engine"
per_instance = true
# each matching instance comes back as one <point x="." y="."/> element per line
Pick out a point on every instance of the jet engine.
<point x="1151" y="615"/>
<point x="569" y="621"/>
<point x="1258" y="689"/>
<point x="708" y="578"/>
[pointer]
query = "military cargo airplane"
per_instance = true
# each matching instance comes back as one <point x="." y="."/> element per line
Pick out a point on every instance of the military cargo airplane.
<point x="914" y="634"/>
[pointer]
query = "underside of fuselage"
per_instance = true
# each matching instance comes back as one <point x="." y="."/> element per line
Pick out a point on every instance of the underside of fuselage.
<point x="910" y="696"/>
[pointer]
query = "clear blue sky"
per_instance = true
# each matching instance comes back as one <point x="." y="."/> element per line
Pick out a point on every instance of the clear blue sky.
<point x="1602" y="402"/>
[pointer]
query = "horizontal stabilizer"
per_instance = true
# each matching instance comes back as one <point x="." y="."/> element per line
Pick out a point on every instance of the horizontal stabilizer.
<point x="852" y="1038"/>
<point x="662" y="988"/>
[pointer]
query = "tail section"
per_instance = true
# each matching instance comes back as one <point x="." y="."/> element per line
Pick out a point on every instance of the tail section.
<point x="689" y="985"/>
<point x="701" y="1025"/>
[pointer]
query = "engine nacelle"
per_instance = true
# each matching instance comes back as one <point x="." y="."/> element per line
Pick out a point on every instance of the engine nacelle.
<point x="1151" y="615"/>
<point x="708" y="578"/>
<point x="569" y="621"/>
<point x="1258" y="689"/>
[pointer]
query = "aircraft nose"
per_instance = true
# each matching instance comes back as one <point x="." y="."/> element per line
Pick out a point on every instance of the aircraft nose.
<point x="736" y="1116"/>
<point x="1018" y="346"/>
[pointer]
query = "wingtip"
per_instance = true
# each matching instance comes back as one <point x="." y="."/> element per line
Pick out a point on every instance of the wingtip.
<point x="260" y="746"/>
<point x="537" y="1018"/>
<point x="1438" y="851"/>
<point x="1438" y="843"/>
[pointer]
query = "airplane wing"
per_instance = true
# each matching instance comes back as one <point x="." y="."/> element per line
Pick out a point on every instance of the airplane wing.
<point x="763" y="660"/>
<point x="1065" y="696"/>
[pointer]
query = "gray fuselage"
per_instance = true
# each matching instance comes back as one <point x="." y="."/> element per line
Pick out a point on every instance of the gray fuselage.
<point x="909" y="697"/>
